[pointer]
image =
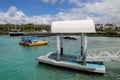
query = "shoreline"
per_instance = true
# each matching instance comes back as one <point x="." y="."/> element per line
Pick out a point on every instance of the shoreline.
<point x="46" y="34"/>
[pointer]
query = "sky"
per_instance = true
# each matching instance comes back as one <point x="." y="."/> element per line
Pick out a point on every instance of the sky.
<point x="47" y="11"/>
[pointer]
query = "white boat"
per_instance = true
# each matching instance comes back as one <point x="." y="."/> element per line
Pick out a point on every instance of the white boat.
<point x="71" y="61"/>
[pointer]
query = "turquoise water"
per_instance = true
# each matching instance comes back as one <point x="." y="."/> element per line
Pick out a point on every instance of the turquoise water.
<point x="19" y="62"/>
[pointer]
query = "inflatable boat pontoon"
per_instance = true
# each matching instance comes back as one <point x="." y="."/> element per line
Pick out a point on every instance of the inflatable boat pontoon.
<point x="71" y="61"/>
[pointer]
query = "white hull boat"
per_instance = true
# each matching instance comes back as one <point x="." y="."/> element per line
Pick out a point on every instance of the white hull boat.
<point x="97" y="67"/>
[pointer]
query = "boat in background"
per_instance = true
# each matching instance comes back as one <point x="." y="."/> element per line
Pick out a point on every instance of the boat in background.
<point x="32" y="41"/>
<point x="61" y="59"/>
<point x="16" y="33"/>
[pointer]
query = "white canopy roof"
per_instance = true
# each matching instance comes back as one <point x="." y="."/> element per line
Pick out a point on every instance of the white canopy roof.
<point x="73" y="26"/>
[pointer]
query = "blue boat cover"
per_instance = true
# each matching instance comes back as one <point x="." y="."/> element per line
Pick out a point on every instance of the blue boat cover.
<point x="30" y="38"/>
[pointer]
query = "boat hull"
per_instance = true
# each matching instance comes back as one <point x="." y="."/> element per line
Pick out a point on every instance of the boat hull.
<point x="90" y="66"/>
<point x="39" y="44"/>
<point x="16" y="33"/>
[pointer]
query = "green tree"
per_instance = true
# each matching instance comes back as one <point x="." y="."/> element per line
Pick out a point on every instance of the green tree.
<point x="110" y="32"/>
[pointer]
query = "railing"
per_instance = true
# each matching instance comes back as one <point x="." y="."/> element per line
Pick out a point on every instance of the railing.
<point x="103" y="54"/>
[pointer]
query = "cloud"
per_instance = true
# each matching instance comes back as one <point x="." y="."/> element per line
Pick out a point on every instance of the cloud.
<point x="77" y="2"/>
<point x="15" y="16"/>
<point x="50" y="1"/>
<point x="108" y="8"/>
<point x="12" y="16"/>
<point x="102" y="11"/>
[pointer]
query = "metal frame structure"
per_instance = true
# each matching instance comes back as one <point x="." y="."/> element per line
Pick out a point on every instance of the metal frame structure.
<point x="104" y="54"/>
